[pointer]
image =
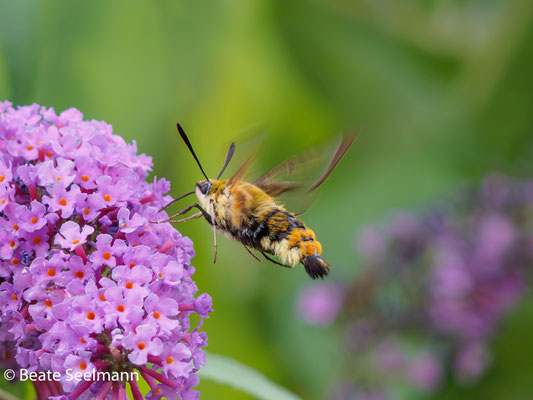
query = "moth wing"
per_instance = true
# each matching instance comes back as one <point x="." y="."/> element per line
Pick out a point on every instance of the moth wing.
<point x="242" y="169"/>
<point x="275" y="188"/>
<point x="295" y="179"/>
<point x="343" y="147"/>
<point x="247" y="142"/>
<point x="298" y="168"/>
<point x="291" y="174"/>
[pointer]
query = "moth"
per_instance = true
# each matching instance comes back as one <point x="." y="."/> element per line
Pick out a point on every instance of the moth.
<point x="249" y="212"/>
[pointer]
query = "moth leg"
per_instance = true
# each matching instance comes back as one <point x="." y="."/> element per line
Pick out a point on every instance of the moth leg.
<point x="177" y="221"/>
<point x="175" y="200"/>
<point x="215" y="243"/>
<point x="274" y="261"/>
<point x="169" y="204"/>
<point x="186" y="210"/>
<point x="252" y="254"/>
<point x="214" y="223"/>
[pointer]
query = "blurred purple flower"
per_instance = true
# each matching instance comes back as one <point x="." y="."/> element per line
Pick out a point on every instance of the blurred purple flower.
<point x="320" y="303"/>
<point x="432" y="289"/>
<point x="371" y="243"/>
<point x="86" y="282"/>
<point x="471" y="361"/>
<point x="425" y="371"/>
<point x="390" y="357"/>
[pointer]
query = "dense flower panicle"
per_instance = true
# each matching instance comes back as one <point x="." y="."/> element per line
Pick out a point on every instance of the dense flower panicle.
<point x="88" y="283"/>
<point x="433" y="287"/>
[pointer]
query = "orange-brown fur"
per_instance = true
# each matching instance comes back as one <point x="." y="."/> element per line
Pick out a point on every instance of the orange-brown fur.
<point x="246" y="213"/>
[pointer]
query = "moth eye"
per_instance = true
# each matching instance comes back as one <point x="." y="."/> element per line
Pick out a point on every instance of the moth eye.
<point x="204" y="186"/>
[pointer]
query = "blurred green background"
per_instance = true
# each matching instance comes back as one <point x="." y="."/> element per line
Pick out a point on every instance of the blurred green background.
<point x="442" y="92"/>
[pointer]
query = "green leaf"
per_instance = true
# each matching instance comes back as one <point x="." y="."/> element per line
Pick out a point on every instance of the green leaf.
<point x="229" y="372"/>
<point x="4" y="395"/>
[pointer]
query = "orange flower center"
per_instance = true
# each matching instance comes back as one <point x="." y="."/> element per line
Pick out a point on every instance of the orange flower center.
<point x="107" y="255"/>
<point x="84" y="178"/>
<point x="82" y="366"/>
<point x="79" y="274"/>
<point x="86" y="211"/>
<point x="37" y="240"/>
<point x="170" y="360"/>
<point x="157" y="315"/>
<point x="129" y="285"/>
<point x="63" y="202"/>
<point x="141" y="346"/>
<point x="121" y="308"/>
<point x="51" y="272"/>
<point x="75" y="241"/>
<point x="48" y="303"/>
<point x="34" y="220"/>
<point x="91" y="316"/>
<point x="107" y="197"/>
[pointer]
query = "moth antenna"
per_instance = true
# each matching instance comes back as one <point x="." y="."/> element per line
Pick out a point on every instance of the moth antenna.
<point x="188" y="143"/>
<point x="228" y="159"/>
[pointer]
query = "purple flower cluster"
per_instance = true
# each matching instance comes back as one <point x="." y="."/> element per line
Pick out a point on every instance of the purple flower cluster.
<point x="88" y="284"/>
<point x="433" y="288"/>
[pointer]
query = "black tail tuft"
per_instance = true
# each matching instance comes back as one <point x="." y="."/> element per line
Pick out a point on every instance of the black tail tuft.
<point x="315" y="267"/>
